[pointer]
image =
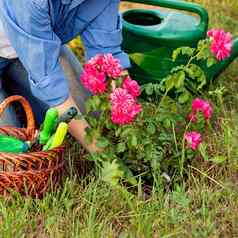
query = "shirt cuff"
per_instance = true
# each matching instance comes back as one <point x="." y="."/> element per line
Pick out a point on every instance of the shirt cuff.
<point x="53" y="89"/>
<point x="124" y="59"/>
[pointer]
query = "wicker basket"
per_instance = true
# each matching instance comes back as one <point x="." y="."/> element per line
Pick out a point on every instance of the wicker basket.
<point x="31" y="173"/>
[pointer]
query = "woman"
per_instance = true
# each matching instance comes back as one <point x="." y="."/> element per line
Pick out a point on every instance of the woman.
<point x="34" y="62"/>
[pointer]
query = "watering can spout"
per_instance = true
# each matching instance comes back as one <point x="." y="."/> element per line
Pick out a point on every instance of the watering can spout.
<point x="217" y="69"/>
<point x="234" y="52"/>
<point x="235" y="47"/>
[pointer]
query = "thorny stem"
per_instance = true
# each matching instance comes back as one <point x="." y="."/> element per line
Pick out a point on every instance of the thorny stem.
<point x="190" y="60"/>
<point x="175" y="139"/>
<point x="163" y="98"/>
<point x="183" y="151"/>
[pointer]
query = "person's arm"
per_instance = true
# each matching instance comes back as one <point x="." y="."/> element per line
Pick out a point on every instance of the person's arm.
<point x="77" y="126"/>
<point x="28" y="27"/>
<point x="104" y="34"/>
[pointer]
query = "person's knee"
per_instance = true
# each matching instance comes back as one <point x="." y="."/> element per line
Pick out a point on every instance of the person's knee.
<point x="8" y="117"/>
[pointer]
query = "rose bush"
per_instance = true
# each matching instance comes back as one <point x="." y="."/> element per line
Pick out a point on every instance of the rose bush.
<point x="146" y="137"/>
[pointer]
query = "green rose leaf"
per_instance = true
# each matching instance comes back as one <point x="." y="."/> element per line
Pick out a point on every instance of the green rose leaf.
<point x="180" y="79"/>
<point x="211" y="61"/>
<point x="184" y="97"/>
<point x="184" y="51"/>
<point x="151" y="129"/>
<point x="169" y="83"/>
<point x="149" y="89"/>
<point x="111" y="172"/>
<point x="132" y="141"/>
<point x="102" y="142"/>
<point x="121" y="147"/>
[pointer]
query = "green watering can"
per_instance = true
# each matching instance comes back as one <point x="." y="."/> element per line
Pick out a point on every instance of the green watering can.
<point x="151" y="35"/>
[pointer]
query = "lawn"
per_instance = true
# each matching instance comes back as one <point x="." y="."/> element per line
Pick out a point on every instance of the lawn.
<point x="204" y="205"/>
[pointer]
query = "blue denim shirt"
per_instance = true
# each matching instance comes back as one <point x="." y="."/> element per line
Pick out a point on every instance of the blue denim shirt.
<point x="38" y="28"/>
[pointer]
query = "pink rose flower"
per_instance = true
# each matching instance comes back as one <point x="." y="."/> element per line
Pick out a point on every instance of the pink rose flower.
<point x="193" y="139"/>
<point x="207" y="110"/>
<point x="131" y="86"/>
<point x="95" y="71"/>
<point x="221" y="45"/>
<point x="96" y="61"/>
<point x="199" y="105"/>
<point x="93" y="80"/>
<point x="124" y="107"/>
<point x="111" y="66"/>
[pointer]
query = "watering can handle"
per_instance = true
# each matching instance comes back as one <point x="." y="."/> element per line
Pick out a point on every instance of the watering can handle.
<point x="179" y="5"/>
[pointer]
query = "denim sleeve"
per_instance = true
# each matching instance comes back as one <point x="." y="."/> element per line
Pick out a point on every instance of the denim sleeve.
<point x="28" y="28"/>
<point x="104" y="33"/>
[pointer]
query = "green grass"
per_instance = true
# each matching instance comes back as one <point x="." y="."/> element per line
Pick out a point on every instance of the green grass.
<point x="205" y="206"/>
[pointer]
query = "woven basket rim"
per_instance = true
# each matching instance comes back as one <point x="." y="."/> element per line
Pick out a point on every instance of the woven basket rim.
<point x="54" y="150"/>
